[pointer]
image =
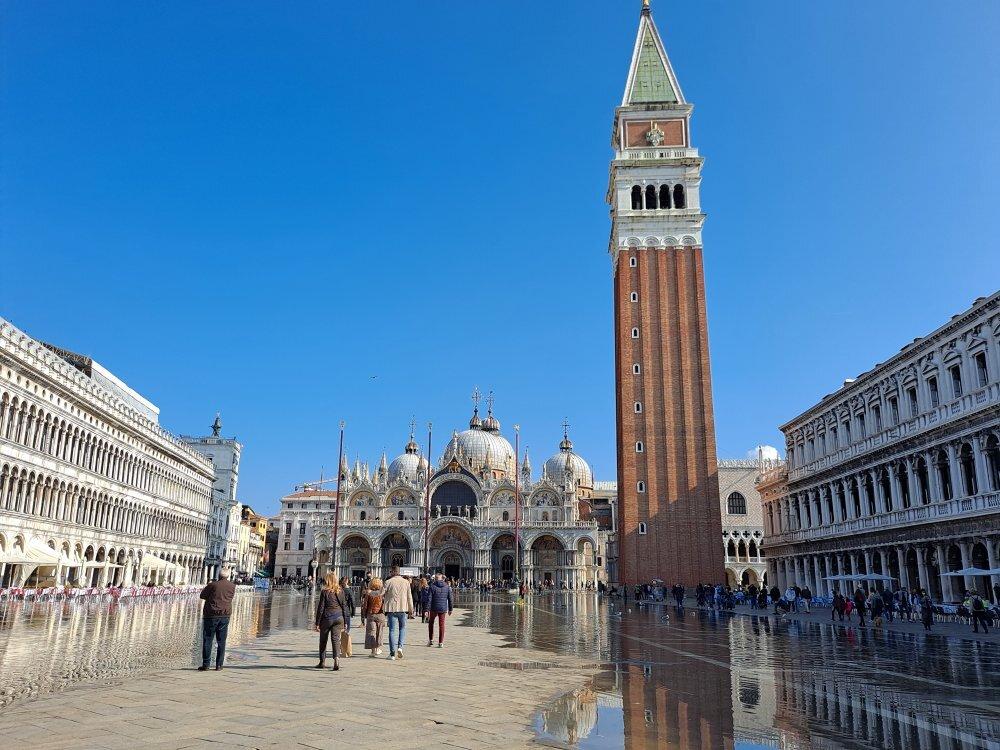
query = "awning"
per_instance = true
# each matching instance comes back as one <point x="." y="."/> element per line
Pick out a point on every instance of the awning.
<point x="154" y="563"/>
<point x="36" y="553"/>
<point x="970" y="572"/>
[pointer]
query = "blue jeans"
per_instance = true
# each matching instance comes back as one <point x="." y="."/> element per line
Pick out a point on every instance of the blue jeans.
<point x="216" y="628"/>
<point x="397" y="630"/>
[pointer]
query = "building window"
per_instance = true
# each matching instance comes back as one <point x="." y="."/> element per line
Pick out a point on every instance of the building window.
<point x="288" y="528"/>
<point x="363" y="516"/>
<point x="737" y="504"/>
<point x="302" y="546"/>
<point x="634" y="297"/>
<point x="679" y="196"/>
<point x="505" y="516"/>
<point x="642" y="528"/>
<point x="638" y="446"/>
<point x="632" y="262"/>
<point x="288" y="546"/>
<point x="291" y="505"/>
<point x="400" y="516"/>
<point x="847" y="432"/>
<point x="298" y="571"/>
<point x="650" y="196"/>
<point x="932" y="388"/>
<point x="664" y="196"/>
<point x="982" y="374"/>
<point x="284" y="571"/>
<point x="640" y="486"/>
<point x="636" y="369"/>
<point x="877" y="417"/>
<point x="635" y="333"/>
<point x="894" y="410"/>
<point x="956" y="380"/>
<point x="861" y="426"/>
<point x="638" y="407"/>
<point x="302" y="528"/>
<point x="636" y="198"/>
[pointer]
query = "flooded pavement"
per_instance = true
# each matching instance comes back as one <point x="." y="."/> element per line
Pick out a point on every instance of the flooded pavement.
<point x="663" y="678"/>
<point x="48" y="646"/>
<point x="694" y="679"/>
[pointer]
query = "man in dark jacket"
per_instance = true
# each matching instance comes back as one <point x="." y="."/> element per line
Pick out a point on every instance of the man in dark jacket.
<point x="440" y="605"/>
<point x="218" y="596"/>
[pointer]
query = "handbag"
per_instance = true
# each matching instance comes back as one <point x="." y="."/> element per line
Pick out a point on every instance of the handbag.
<point x="345" y="643"/>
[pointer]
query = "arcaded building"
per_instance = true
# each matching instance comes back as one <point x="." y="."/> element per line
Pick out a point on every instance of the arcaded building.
<point x="93" y="492"/>
<point x="898" y="471"/>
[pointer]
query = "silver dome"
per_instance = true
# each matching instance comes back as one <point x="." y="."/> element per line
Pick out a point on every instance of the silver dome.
<point x="475" y="446"/>
<point x="404" y="467"/>
<point x="555" y="467"/>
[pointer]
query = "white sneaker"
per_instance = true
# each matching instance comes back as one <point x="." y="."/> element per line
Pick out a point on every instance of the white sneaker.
<point x="391" y="657"/>
<point x="440" y="645"/>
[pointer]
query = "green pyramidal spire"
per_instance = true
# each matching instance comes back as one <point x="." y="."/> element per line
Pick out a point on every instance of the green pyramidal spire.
<point x="651" y="79"/>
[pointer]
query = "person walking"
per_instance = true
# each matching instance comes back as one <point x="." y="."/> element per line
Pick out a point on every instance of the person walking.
<point x="397" y="603"/>
<point x="807" y="597"/>
<point x="374" y="617"/>
<point x="978" y="609"/>
<point x="332" y="615"/>
<point x="218" y="596"/>
<point x="926" y="609"/>
<point x="859" y="605"/>
<point x="345" y="586"/>
<point x="837" y="610"/>
<point x="438" y="608"/>
<point x="424" y="599"/>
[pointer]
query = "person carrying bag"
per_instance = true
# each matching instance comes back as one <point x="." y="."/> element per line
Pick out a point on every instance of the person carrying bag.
<point x="332" y="614"/>
<point x="374" y="617"/>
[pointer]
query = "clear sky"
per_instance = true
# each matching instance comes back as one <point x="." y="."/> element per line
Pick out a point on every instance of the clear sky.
<point x="297" y="213"/>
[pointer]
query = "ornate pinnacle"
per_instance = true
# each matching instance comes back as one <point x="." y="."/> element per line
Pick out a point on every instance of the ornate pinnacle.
<point x="645" y="7"/>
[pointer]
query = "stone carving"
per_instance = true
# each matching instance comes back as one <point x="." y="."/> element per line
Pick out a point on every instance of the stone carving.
<point x="655" y="136"/>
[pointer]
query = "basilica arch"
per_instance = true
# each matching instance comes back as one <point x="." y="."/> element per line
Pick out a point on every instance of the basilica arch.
<point x="451" y="551"/>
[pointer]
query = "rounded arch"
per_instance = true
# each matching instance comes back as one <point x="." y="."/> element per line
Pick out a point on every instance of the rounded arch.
<point x="454" y="493"/>
<point x="736" y="504"/>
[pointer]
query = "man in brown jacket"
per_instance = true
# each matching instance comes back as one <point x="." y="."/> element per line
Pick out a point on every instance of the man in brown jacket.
<point x="218" y="596"/>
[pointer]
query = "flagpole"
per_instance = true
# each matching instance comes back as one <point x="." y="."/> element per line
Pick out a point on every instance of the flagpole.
<point x="517" y="509"/>
<point x="427" y="505"/>
<point x="336" y="505"/>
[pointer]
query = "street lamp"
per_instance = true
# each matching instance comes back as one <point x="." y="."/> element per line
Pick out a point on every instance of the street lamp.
<point x="427" y="504"/>
<point x="517" y="508"/>
<point x="336" y="504"/>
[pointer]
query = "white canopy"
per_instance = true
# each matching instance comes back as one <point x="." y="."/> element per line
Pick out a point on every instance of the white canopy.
<point x="972" y="572"/>
<point x="36" y="552"/>
<point x="155" y="563"/>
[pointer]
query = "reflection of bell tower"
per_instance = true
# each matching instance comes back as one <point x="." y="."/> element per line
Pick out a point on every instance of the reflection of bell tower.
<point x="668" y="493"/>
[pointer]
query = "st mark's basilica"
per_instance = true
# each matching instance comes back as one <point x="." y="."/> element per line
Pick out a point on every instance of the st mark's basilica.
<point x="472" y="493"/>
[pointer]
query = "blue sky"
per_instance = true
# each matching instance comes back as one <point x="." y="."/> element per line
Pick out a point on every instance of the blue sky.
<point x="297" y="213"/>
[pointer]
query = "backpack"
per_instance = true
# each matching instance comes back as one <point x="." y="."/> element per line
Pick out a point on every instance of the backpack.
<point x="977" y="603"/>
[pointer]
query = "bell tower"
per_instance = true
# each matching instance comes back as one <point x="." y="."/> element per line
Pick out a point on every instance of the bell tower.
<point x="668" y="486"/>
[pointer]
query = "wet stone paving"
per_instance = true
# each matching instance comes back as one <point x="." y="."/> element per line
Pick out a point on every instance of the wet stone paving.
<point x="661" y="677"/>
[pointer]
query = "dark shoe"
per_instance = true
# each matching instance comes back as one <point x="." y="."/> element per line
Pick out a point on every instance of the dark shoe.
<point x="321" y="665"/>
<point x="218" y="668"/>
<point x="203" y="668"/>
<point x="336" y="667"/>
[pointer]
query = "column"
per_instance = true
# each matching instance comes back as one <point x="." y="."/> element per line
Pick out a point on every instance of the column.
<point x="965" y="548"/>
<point x="824" y="513"/>
<point x="922" y="568"/>
<point x="904" y="574"/>
<point x="982" y="475"/>
<point x="933" y="478"/>
<point x="817" y="586"/>
<point x="799" y="513"/>
<point x="828" y="585"/>
<point x="911" y="482"/>
<point x="991" y="557"/>
<point x="880" y="507"/>
<point x="956" y="472"/>
<point x="946" y="590"/>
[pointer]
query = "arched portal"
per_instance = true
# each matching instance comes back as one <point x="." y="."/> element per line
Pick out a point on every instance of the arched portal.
<point x="395" y="550"/>
<point x="502" y="560"/>
<point x="547" y="559"/>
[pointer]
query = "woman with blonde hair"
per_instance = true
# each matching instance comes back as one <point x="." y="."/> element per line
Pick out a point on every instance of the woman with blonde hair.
<point x="332" y="614"/>
<point x="374" y="617"/>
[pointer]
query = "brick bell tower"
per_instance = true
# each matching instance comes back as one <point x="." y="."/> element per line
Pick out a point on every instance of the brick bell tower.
<point x="668" y="485"/>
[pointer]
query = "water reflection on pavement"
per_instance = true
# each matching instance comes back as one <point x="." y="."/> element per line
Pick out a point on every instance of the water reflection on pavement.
<point x="694" y="679"/>
<point x="46" y="646"/>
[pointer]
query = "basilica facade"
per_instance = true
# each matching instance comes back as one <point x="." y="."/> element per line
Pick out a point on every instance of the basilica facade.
<point x="472" y="493"/>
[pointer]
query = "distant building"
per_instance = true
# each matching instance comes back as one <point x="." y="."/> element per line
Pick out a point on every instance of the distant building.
<point x="93" y="491"/>
<point x="897" y="473"/>
<point x="223" y="533"/>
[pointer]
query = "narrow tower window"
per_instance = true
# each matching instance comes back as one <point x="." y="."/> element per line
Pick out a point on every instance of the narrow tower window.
<point x="634" y="297"/>
<point x="664" y="196"/>
<point x="650" y="196"/>
<point x="638" y="407"/>
<point x="632" y="262"/>
<point x="678" y="196"/>
<point x="638" y="446"/>
<point x="636" y="198"/>
<point x="642" y="527"/>
<point x="636" y="369"/>
<point x="635" y="333"/>
<point x="640" y="486"/>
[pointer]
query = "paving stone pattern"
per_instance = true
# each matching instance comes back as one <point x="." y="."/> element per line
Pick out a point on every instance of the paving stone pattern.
<point x="271" y="695"/>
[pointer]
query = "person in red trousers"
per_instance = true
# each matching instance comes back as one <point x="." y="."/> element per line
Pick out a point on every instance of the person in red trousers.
<point x="439" y="607"/>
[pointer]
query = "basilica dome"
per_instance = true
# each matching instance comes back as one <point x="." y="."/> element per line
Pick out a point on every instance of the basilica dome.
<point x="482" y="442"/>
<point x="407" y="466"/>
<point x="555" y="467"/>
